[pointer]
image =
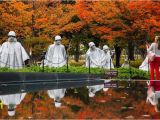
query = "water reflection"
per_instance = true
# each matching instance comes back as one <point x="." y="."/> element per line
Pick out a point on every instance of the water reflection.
<point x="122" y="102"/>
<point x="57" y="95"/>
<point x="11" y="101"/>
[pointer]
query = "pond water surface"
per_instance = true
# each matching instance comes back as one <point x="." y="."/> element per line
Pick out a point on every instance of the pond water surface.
<point x="126" y="100"/>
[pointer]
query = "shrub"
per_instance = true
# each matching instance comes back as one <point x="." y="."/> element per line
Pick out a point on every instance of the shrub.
<point x="123" y="73"/>
<point x="133" y="73"/>
<point x="135" y="63"/>
<point x="74" y="63"/>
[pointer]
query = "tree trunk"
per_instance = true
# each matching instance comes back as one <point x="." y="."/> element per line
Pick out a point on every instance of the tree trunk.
<point x="118" y="54"/>
<point x="130" y="50"/>
<point x="76" y="55"/>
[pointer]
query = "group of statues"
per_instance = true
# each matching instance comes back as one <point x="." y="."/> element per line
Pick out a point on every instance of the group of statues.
<point x="95" y="57"/>
<point x="13" y="55"/>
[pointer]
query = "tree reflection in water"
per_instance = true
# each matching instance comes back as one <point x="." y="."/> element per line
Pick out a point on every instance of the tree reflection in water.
<point x="123" y="102"/>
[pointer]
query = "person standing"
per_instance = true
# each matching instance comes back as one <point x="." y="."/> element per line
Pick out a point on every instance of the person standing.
<point x="154" y="65"/>
<point x="154" y="84"/>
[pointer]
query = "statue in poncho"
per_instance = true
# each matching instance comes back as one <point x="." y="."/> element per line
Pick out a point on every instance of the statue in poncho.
<point x="153" y="97"/>
<point x="12" y="54"/>
<point x="12" y="101"/>
<point x="56" y="57"/>
<point x="93" y="56"/>
<point x="145" y="65"/>
<point x="106" y="58"/>
<point x="125" y="64"/>
<point x="56" y="54"/>
<point x="93" y="59"/>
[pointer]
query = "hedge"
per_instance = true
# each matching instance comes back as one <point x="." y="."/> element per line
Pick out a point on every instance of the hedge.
<point x="123" y="73"/>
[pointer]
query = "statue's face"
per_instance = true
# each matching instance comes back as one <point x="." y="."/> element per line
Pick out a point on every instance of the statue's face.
<point x="58" y="42"/>
<point x="11" y="38"/>
<point x="93" y="47"/>
<point x="106" y="50"/>
<point x="11" y="106"/>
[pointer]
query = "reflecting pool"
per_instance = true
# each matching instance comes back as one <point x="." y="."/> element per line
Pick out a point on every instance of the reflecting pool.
<point x="123" y="99"/>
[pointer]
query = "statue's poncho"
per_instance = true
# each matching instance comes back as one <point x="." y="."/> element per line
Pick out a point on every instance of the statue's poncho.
<point x="12" y="101"/>
<point x="94" y="57"/>
<point x="57" y="95"/>
<point x="56" y="56"/>
<point x="153" y="97"/>
<point x="145" y="65"/>
<point x="125" y="64"/>
<point x="107" y="60"/>
<point x="12" y="55"/>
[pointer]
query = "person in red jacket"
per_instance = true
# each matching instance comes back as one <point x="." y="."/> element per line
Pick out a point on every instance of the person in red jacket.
<point x="154" y="65"/>
<point x="154" y="85"/>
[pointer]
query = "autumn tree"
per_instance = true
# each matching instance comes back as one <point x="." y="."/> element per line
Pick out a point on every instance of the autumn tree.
<point x="121" y="24"/>
<point x="103" y="20"/>
<point x="15" y="15"/>
<point x="123" y="27"/>
<point x="145" y="21"/>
